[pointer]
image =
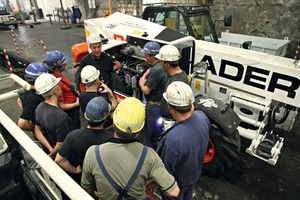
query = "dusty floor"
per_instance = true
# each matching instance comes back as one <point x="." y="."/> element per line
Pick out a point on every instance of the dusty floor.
<point x="248" y="179"/>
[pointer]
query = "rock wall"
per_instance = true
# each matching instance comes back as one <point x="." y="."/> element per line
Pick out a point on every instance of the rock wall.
<point x="275" y="19"/>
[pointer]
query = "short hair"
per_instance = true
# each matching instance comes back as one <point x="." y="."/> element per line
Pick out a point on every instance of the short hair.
<point x="31" y="81"/>
<point x="174" y="64"/>
<point x="49" y="93"/>
<point x="123" y="135"/>
<point x="95" y="124"/>
<point x="90" y="83"/>
<point x="183" y="109"/>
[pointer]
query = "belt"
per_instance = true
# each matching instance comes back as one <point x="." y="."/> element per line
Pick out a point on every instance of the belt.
<point x="153" y="102"/>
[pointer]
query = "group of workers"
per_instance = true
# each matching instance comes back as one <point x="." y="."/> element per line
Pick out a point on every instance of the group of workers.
<point x="108" y="158"/>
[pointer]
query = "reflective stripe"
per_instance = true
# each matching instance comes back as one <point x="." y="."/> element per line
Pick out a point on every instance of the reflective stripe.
<point x="129" y="125"/>
<point x="33" y="74"/>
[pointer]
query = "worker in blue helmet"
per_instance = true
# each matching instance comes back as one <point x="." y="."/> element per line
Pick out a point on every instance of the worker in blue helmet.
<point x="152" y="84"/>
<point x="71" y="154"/>
<point x="69" y="102"/>
<point x="29" y="100"/>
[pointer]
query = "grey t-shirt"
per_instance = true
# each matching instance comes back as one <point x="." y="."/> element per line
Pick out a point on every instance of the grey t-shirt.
<point x="120" y="160"/>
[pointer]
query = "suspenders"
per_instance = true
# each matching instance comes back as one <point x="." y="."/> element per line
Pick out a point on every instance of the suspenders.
<point x="123" y="192"/>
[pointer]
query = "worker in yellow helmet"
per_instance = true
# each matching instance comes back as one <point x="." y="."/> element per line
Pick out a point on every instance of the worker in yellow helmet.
<point x="110" y="166"/>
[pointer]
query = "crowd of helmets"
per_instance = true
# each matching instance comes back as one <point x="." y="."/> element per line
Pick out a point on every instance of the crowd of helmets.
<point x="47" y="81"/>
<point x="56" y="58"/>
<point x="130" y="114"/>
<point x="52" y="59"/>
<point x="34" y="70"/>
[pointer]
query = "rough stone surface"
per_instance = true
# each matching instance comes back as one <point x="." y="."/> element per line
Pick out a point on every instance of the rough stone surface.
<point x="275" y="19"/>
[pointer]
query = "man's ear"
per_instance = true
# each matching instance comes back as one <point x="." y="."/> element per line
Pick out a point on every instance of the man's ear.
<point x="170" y="107"/>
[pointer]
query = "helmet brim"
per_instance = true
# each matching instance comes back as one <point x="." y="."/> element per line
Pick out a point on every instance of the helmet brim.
<point x="166" y="59"/>
<point x="66" y="58"/>
<point x="147" y="52"/>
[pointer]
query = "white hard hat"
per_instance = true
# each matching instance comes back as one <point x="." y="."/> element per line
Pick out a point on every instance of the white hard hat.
<point x="179" y="94"/>
<point x="45" y="82"/>
<point x="88" y="74"/>
<point x="168" y="53"/>
<point x="94" y="38"/>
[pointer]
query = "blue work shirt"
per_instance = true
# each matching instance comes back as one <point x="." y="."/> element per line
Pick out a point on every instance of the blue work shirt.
<point x="183" y="146"/>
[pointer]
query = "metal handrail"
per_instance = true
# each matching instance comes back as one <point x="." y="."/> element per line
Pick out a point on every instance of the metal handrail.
<point x="58" y="175"/>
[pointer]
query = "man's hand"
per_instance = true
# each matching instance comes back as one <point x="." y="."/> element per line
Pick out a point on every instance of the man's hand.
<point x="151" y="186"/>
<point x="106" y="88"/>
<point x="77" y="102"/>
<point x="78" y="169"/>
<point x="52" y="154"/>
<point x="117" y="65"/>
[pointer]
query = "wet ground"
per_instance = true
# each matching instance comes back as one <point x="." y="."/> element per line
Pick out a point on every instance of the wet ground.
<point x="249" y="179"/>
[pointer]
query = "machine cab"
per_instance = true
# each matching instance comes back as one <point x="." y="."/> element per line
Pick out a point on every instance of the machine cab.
<point x="193" y="20"/>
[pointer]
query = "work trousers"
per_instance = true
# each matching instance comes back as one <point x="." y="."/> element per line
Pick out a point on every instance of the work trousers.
<point x="153" y="126"/>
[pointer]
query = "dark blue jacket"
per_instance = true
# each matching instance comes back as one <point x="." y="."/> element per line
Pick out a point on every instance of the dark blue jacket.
<point x="182" y="148"/>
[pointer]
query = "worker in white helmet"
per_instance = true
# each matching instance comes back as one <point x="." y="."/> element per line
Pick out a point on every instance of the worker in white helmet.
<point x="183" y="146"/>
<point x="95" y="88"/>
<point x="169" y="57"/>
<point x="52" y="123"/>
<point x="100" y="60"/>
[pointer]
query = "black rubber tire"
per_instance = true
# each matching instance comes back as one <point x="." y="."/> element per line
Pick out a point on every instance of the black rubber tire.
<point x="3" y="63"/>
<point x="227" y="148"/>
<point x="16" y="26"/>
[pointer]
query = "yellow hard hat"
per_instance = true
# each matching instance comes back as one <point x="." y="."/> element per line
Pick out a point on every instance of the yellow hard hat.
<point x="129" y="116"/>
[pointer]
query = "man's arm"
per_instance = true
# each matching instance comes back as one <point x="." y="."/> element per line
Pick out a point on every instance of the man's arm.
<point x="173" y="193"/>
<point x="19" y="102"/>
<point x="111" y="96"/>
<point x="146" y="74"/>
<point x="146" y="90"/>
<point x="65" y="164"/>
<point x="64" y="106"/>
<point x="25" y="125"/>
<point x="53" y="153"/>
<point x="40" y="136"/>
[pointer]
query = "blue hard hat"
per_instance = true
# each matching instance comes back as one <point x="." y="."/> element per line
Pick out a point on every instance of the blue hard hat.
<point x="35" y="69"/>
<point x="97" y="110"/>
<point x="56" y="59"/>
<point x="151" y="48"/>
